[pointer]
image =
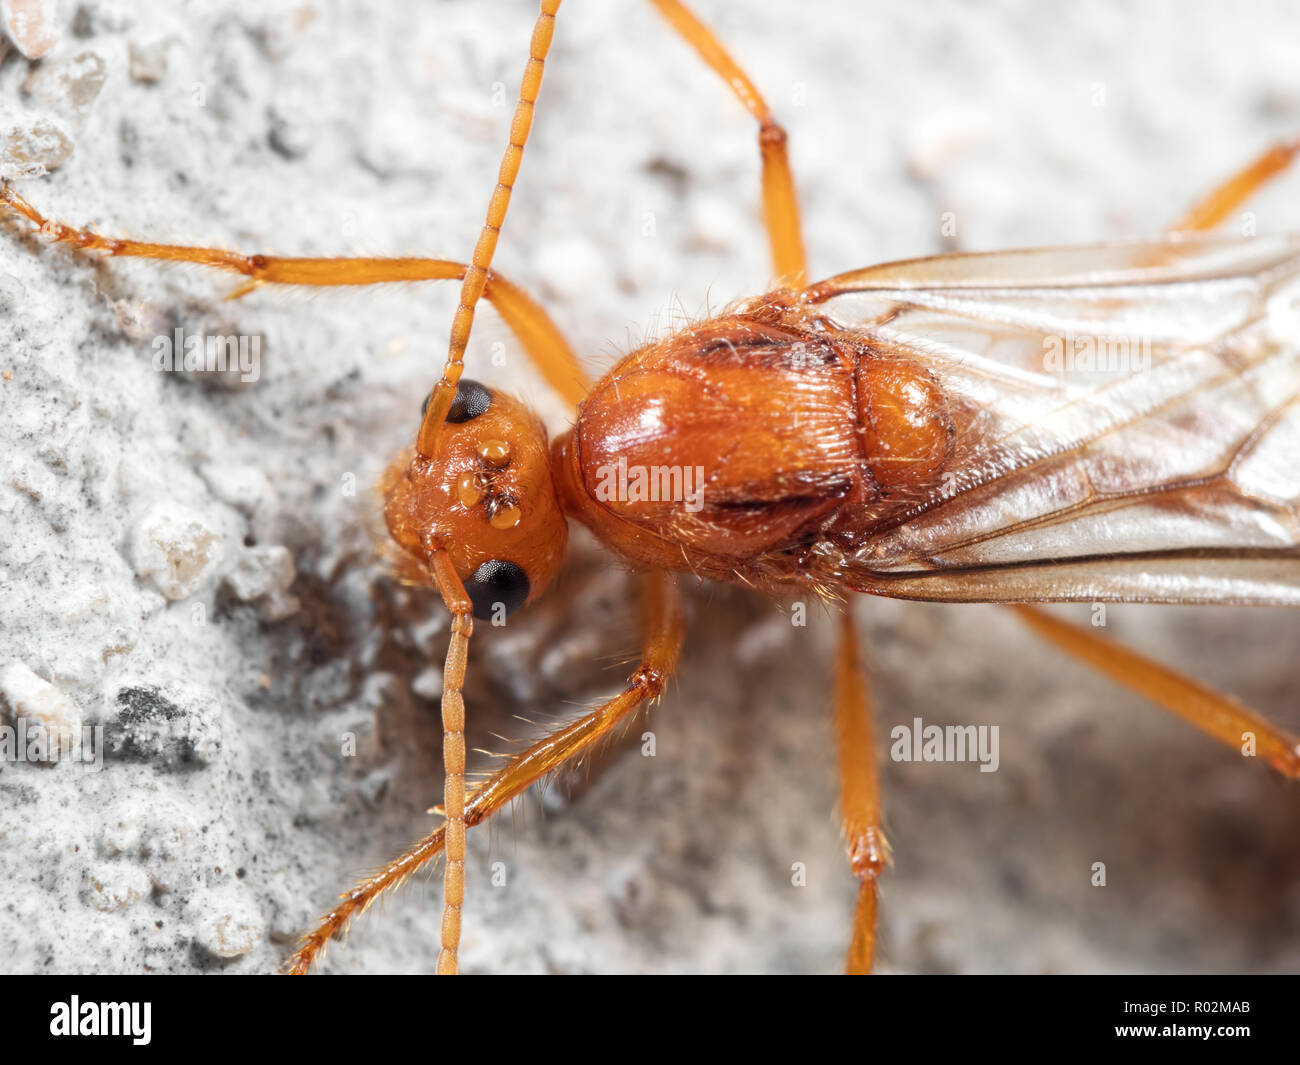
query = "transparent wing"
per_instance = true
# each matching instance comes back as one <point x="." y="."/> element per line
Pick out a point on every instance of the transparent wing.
<point x="1127" y="423"/>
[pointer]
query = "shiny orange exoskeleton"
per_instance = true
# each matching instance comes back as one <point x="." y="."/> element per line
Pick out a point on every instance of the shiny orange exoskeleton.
<point x="914" y="429"/>
<point x="715" y="401"/>
<point x="873" y="433"/>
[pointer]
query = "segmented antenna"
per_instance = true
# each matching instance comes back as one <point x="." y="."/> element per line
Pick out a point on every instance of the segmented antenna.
<point x="471" y="287"/>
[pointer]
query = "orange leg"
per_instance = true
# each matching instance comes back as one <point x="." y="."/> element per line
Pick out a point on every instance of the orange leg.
<point x="1231" y="194"/>
<point x="540" y="337"/>
<point x="1219" y="716"/>
<point x="664" y="627"/>
<point x="780" y="202"/>
<point x="860" y="782"/>
<point x="860" y="806"/>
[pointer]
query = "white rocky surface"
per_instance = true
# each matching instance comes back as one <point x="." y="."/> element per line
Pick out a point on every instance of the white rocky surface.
<point x="186" y="558"/>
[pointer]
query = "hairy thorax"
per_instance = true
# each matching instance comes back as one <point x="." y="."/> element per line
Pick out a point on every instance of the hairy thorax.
<point x="740" y="447"/>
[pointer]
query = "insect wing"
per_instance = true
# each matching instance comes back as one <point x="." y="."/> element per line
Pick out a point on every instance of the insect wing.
<point x="1126" y="422"/>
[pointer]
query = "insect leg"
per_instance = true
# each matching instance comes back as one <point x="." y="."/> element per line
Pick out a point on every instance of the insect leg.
<point x="1231" y="194"/>
<point x="780" y="201"/>
<point x="664" y="628"/>
<point x="1219" y="716"/>
<point x="541" y="338"/>
<point x="258" y="269"/>
<point x="539" y="335"/>
<point x="859" y="792"/>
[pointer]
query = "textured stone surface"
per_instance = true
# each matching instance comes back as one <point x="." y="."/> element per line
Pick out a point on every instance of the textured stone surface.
<point x="268" y="740"/>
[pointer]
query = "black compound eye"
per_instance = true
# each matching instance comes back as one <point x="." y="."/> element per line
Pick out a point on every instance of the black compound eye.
<point x="471" y="400"/>
<point x="497" y="582"/>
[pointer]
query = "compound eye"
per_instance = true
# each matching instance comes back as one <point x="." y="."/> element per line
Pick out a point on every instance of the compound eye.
<point x="472" y="399"/>
<point x="497" y="582"/>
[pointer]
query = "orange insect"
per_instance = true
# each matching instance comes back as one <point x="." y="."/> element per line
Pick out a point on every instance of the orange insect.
<point x="912" y="430"/>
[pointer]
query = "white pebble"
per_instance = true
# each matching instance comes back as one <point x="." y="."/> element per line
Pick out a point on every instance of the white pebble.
<point x="68" y="85"/>
<point x="119" y="834"/>
<point x="111" y="887"/>
<point x="40" y="702"/>
<point x="176" y="549"/>
<point x="261" y="571"/>
<point x="147" y="61"/>
<point x="230" y="923"/>
<point x="245" y="487"/>
<point x="28" y="150"/>
<point x="31" y="24"/>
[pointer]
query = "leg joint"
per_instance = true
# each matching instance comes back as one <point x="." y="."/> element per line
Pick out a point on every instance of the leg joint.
<point x="868" y="855"/>
<point x="771" y="134"/>
<point x="650" y="680"/>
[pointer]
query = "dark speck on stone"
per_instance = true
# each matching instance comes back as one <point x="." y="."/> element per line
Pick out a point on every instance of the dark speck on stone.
<point x="139" y="705"/>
